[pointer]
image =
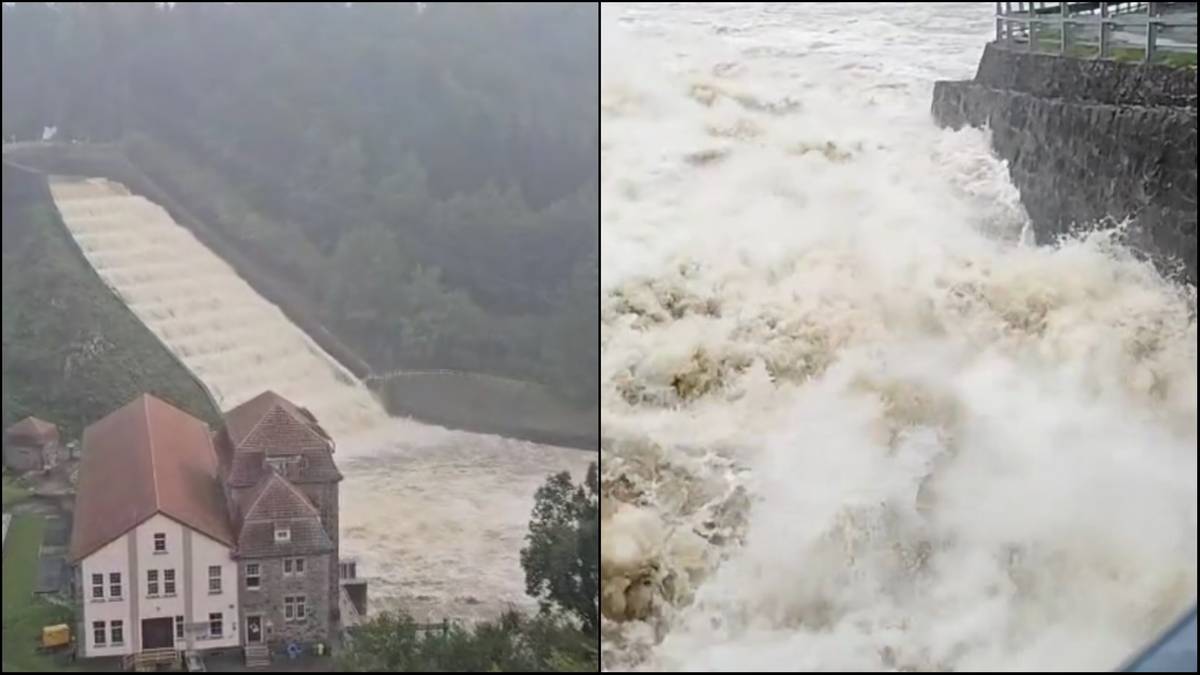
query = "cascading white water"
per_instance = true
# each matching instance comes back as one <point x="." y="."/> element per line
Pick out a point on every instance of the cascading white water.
<point x="852" y="419"/>
<point x="437" y="517"/>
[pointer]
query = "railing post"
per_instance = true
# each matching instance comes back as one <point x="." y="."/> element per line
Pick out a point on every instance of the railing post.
<point x="1151" y="30"/>
<point x="999" y="22"/>
<point x="1062" y="28"/>
<point x="1007" y="23"/>
<point x="1104" y="30"/>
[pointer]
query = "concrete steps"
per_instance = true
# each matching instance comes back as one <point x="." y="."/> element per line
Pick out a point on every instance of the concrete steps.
<point x="257" y="656"/>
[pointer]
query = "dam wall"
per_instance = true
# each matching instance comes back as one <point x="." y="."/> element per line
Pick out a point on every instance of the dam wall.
<point x="1087" y="140"/>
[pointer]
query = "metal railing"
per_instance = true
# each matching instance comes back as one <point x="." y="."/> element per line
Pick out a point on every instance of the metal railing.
<point x="1109" y="29"/>
<point x="151" y="658"/>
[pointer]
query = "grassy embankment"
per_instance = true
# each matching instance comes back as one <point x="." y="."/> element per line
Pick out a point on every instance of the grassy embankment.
<point x="72" y="352"/>
<point x="24" y="613"/>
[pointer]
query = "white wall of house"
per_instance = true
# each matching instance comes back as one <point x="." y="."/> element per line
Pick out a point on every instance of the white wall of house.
<point x="111" y="558"/>
<point x="208" y="552"/>
<point x="205" y="553"/>
<point x="162" y="604"/>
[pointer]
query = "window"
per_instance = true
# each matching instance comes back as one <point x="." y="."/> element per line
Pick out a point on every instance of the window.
<point x="299" y="565"/>
<point x="160" y="542"/>
<point x="215" y="628"/>
<point x="114" y="584"/>
<point x="293" y="566"/>
<point x="169" y="582"/>
<point x="252" y="576"/>
<point x="282" y="534"/>
<point x="214" y="579"/>
<point x="281" y="465"/>
<point x="179" y="628"/>
<point x="151" y="582"/>
<point x="98" y="635"/>
<point x="349" y="569"/>
<point x="118" y="632"/>
<point x="97" y="585"/>
<point x="293" y="607"/>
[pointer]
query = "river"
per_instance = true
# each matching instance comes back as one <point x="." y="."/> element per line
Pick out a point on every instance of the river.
<point x="859" y="421"/>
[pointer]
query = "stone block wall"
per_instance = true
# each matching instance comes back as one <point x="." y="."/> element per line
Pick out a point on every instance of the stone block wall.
<point x="1088" y="139"/>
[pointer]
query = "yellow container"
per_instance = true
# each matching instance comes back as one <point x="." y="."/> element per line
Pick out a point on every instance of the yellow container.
<point x="56" y="636"/>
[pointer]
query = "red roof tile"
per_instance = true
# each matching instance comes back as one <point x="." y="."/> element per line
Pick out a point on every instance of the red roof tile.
<point x="145" y="458"/>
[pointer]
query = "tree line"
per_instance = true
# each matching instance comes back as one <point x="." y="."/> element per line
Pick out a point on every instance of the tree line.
<point x="426" y="173"/>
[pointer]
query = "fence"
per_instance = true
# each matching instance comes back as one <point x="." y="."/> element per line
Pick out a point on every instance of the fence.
<point x="1147" y="31"/>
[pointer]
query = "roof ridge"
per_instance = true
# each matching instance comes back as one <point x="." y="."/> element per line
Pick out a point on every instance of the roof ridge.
<point x="153" y="459"/>
<point x="267" y="484"/>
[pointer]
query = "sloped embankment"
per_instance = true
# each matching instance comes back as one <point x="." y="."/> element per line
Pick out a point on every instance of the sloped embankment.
<point x="72" y="352"/>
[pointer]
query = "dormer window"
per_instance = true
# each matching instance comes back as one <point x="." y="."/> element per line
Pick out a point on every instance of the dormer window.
<point x="283" y="534"/>
<point x="284" y="465"/>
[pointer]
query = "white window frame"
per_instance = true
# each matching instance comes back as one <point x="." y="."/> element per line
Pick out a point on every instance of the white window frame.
<point x="152" y="586"/>
<point x="178" y="627"/>
<point x="160" y="537"/>
<point x="169" y="590"/>
<point x="99" y="639"/>
<point x="114" y="626"/>
<point x="220" y="621"/>
<point x="283" y="535"/>
<point x="97" y="586"/>
<point x="256" y="575"/>
<point x="295" y="608"/>
<point x="214" y="577"/>
<point x="115" y="587"/>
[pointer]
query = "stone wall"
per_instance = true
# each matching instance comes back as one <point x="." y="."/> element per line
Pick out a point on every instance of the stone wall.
<point x="1088" y="139"/>
<point x="325" y="497"/>
<point x="268" y="601"/>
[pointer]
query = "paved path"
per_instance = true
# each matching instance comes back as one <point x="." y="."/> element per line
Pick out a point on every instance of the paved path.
<point x="7" y="520"/>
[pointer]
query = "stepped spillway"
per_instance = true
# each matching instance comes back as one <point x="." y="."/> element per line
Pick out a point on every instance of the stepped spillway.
<point x="437" y="517"/>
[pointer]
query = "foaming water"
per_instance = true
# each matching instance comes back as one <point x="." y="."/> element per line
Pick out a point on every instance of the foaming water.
<point x="436" y="516"/>
<point x="852" y="418"/>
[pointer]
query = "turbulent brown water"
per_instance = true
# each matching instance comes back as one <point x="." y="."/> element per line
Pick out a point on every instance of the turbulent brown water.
<point x="852" y="418"/>
<point x="436" y="517"/>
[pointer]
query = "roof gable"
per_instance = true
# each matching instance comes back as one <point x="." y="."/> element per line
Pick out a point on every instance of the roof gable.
<point x="271" y="423"/>
<point x="147" y="457"/>
<point x="32" y="427"/>
<point x="274" y="498"/>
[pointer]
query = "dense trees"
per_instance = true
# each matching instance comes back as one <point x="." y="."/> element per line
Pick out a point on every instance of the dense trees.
<point x="561" y="561"/>
<point x="426" y="173"/>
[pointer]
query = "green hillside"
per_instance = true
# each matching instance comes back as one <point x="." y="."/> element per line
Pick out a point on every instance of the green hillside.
<point x="71" y="351"/>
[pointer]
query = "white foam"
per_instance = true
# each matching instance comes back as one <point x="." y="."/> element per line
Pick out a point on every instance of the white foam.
<point x="954" y="450"/>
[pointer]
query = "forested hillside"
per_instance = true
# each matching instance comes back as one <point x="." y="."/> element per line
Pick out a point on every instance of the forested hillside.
<point x="425" y="174"/>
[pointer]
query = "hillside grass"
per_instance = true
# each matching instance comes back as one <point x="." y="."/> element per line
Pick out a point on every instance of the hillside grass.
<point x="24" y="612"/>
<point x="13" y="492"/>
<point x="72" y="352"/>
